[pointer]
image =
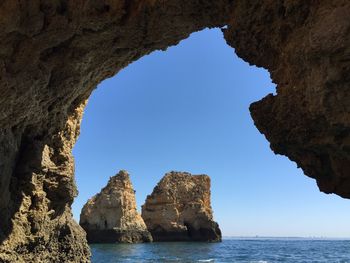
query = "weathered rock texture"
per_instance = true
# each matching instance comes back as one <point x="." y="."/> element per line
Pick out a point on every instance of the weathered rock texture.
<point x="305" y="45"/>
<point x="54" y="53"/>
<point x="111" y="215"/>
<point x="179" y="209"/>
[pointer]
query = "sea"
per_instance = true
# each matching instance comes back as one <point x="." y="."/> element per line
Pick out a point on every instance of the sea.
<point x="247" y="250"/>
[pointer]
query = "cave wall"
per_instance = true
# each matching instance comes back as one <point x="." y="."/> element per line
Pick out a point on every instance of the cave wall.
<point x="53" y="53"/>
<point x="305" y="45"/>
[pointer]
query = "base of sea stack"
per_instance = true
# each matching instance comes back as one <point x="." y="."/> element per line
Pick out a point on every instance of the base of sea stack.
<point x="116" y="236"/>
<point x="191" y="234"/>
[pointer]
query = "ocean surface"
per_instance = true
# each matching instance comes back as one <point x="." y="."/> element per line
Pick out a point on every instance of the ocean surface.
<point x="248" y="250"/>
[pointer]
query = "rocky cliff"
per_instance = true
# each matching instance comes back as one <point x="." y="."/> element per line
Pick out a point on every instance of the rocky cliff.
<point x="54" y="53"/>
<point x="111" y="215"/>
<point x="305" y="45"/>
<point x="179" y="209"/>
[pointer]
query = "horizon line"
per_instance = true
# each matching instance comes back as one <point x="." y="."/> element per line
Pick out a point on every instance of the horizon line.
<point x="285" y="237"/>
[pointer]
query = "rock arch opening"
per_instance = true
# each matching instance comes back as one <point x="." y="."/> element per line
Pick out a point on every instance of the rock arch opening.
<point x="136" y="120"/>
<point x="54" y="54"/>
<point x="184" y="109"/>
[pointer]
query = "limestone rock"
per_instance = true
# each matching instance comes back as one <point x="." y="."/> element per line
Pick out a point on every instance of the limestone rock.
<point x="179" y="209"/>
<point x="111" y="215"/>
<point x="37" y="223"/>
<point x="54" y="53"/>
<point x="305" y="45"/>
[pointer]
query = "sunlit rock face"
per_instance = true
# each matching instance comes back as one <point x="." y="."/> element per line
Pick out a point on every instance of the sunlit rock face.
<point x="179" y="209"/>
<point x="36" y="222"/>
<point x="54" y="53"/>
<point x="111" y="215"/>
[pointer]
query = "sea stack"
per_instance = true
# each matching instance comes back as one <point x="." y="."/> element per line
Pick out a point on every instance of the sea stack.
<point x="111" y="215"/>
<point x="179" y="209"/>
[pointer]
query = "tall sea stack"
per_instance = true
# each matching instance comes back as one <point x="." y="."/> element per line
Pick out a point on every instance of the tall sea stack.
<point x="179" y="209"/>
<point x="111" y="216"/>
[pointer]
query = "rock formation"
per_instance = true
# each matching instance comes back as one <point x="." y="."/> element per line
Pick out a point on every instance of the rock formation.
<point x="54" y="53"/>
<point x="305" y="45"/>
<point x="111" y="215"/>
<point x="179" y="209"/>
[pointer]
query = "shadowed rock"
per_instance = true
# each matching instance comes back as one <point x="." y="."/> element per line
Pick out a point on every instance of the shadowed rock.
<point x="179" y="209"/>
<point x="54" y="53"/>
<point x="111" y="215"/>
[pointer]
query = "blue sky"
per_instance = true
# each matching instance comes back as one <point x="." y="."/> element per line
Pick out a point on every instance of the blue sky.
<point x="186" y="109"/>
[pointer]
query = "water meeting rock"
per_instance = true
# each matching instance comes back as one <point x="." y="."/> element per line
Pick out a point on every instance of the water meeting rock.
<point x="111" y="215"/>
<point x="53" y="54"/>
<point x="179" y="209"/>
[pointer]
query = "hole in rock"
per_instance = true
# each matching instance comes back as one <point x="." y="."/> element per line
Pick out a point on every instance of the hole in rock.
<point x="186" y="109"/>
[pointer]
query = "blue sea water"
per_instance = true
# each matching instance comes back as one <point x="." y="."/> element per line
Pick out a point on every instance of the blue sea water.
<point x="247" y="250"/>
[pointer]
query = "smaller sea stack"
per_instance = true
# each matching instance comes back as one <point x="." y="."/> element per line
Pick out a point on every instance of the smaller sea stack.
<point x="179" y="209"/>
<point x="111" y="215"/>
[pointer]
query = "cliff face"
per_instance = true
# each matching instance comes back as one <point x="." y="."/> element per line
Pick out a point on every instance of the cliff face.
<point x="111" y="215"/>
<point x="54" y="53"/>
<point x="179" y="209"/>
<point x="36" y="221"/>
<point x="305" y="45"/>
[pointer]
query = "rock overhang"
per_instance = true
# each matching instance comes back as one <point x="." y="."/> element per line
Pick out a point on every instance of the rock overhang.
<point x="53" y="55"/>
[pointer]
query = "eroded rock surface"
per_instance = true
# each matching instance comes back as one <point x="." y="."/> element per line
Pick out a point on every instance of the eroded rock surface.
<point x="36" y="222"/>
<point x="179" y="209"/>
<point x="305" y="45"/>
<point x="54" y="53"/>
<point x="111" y="215"/>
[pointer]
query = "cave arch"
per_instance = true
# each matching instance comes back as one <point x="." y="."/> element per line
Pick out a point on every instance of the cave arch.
<point x="53" y="54"/>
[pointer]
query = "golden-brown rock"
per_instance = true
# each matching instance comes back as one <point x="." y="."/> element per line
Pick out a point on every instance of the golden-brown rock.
<point x="111" y="215"/>
<point x="305" y="45"/>
<point x="39" y="197"/>
<point x="54" y="53"/>
<point x="179" y="209"/>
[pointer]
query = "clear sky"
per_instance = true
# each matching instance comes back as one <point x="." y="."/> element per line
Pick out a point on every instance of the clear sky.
<point x="186" y="109"/>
